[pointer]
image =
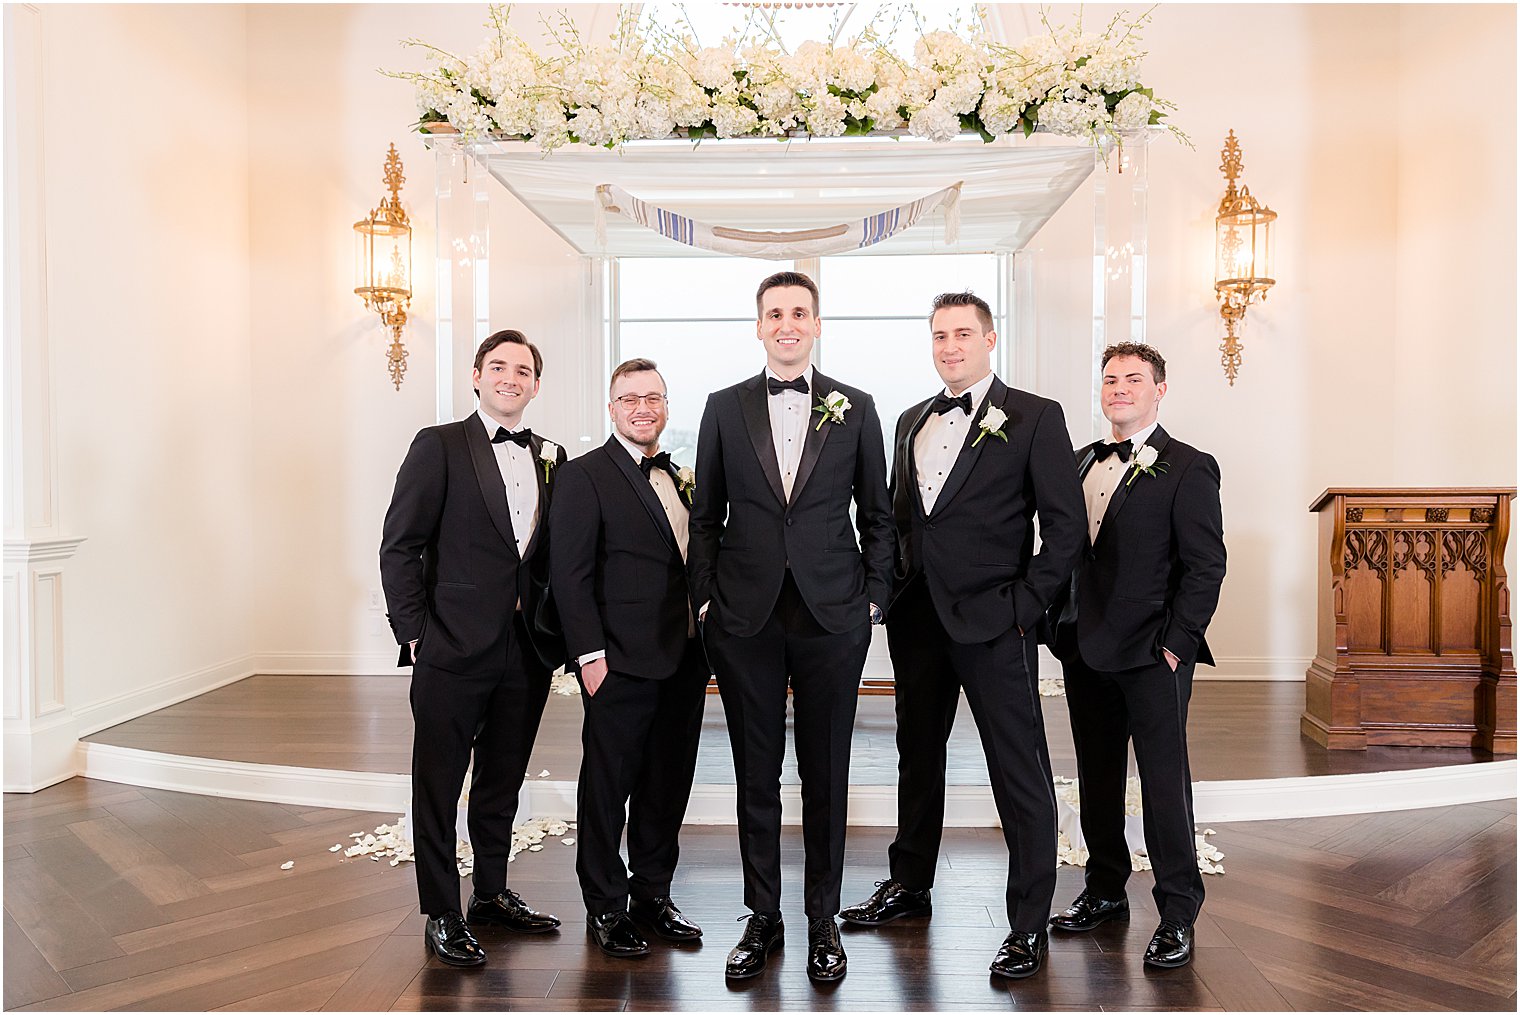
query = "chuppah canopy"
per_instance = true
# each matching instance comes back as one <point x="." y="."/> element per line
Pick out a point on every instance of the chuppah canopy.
<point x="798" y="198"/>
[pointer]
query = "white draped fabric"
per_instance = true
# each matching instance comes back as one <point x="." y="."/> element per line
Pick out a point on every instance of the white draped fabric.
<point x="1007" y="189"/>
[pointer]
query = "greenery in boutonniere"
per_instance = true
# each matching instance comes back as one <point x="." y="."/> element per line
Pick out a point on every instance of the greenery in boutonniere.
<point x="686" y="483"/>
<point x="1145" y="461"/>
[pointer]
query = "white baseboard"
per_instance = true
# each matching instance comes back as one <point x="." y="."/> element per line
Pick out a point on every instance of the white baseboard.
<point x="965" y="806"/>
<point x="99" y="715"/>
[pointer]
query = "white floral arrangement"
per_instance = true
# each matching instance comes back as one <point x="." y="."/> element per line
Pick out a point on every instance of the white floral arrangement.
<point x="662" y="83"/>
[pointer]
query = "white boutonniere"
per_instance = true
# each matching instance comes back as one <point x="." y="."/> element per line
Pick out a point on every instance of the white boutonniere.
<point x="991" y="423"/>
<point x="831" y="408"/>
<point x="1144" y="461"/>
<point x="686" y="483"/>
<point x="548" y="457"/>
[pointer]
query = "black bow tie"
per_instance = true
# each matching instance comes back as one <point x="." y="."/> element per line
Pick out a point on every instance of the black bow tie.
<point x="943" y="403"/>
<point x="1123" y="449"/>
<point x="649" y="463"/>
<point x="776" y="387"/>
<point x="520" y="438"/>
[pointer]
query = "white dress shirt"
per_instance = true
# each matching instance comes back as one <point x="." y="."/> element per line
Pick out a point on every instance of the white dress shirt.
<point x="1104" y="477"/>
<point x="516" y="465"/>
<point x="675" y="510"/>
<point x="790" y="413"/>
<point x="939" y="442"/>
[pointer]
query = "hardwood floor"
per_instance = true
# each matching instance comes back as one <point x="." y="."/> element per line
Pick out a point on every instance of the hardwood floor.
<point x="137" y="899"/>
<point x="1236" y="731"/>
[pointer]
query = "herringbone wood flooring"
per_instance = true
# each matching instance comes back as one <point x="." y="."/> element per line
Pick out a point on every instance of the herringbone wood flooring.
<point x="136" y="899"/>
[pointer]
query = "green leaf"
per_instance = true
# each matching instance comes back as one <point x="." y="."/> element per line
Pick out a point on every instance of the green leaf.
<point x="970" y="121"/>
<point x="1083" y="61"/>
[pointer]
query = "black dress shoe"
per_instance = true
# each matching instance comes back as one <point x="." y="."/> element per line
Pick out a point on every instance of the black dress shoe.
<point x="826" y="961"/>
<point x="661" y="916"/>
<point x="762" y="935"/>
<point x="1021" y="955"/>
<point x="616" y="935"/>
<point x="1088" y="912"/>
<point x="509" y="910"/>
<point x="891" y="901"/>
<point x="1171" y="946"/>
<point x="449" y="938"/>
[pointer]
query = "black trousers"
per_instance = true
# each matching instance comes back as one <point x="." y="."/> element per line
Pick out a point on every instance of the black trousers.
<point x="1001" y="681"/>
<point x="1148" y="705"/>
<point x="825" y="679"/>
<point x="639" y="752"/>
<point x="495" y="717"/>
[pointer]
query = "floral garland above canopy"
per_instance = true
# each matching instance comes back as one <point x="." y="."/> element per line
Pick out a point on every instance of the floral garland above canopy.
<point x="658" y="82"/>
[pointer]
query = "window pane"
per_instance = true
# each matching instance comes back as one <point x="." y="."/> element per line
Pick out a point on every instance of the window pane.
<point x="695" y="360"/>
<point x="890" y="360"/>
<point x="895" y="286"/>
<point x="692" y="286"/>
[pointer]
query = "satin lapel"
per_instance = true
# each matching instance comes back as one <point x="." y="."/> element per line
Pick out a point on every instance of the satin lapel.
<point x="757" y="419"/>
<point x="488" y="474"/>
<point x="642" y="488"/>
<point x="543" y="478"/>
<point x="812" y="444"/>
<point x="1085" y="462"/>
<point x="966" y="460"/>
<point x="907" y="462"/>
<point x="1157" y="440"/>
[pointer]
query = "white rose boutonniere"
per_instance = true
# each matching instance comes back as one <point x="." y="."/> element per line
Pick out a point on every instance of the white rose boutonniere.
<point x="831" y="409"/>
<point x="686" y="483"/>
<point x="1144" y="461"/>
<point x="991" y="423"/>
<point x="548" y="457"/>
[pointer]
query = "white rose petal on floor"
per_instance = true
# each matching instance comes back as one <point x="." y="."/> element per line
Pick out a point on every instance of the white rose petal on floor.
<point x="1071" y="848"/>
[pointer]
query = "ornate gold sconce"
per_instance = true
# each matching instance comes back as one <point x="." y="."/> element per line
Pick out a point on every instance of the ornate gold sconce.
<point x="383" y="264"/>
<point x="1242" y="255"/>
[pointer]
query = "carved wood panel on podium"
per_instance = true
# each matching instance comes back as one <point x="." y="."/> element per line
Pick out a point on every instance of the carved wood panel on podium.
<point x="1414" y="631"/>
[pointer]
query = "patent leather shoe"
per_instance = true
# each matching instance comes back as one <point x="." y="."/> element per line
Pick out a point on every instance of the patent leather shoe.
<point x="891" y="901"/>
<point x="1171" y="946"/>
<point x="616" y="935"/>
<point x="507" y="909"/>
<point x="449" y="938"/>
<point x="665" y="919"/>
<point x="826" y="961"/>
<point x="762" y="935"/>
<point x="1088" y="912"/>
<point x="1021" y="955"/>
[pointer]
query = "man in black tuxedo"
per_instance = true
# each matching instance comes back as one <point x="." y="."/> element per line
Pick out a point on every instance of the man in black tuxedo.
<point x="619" y="575"/>
<point x="464" y="565"/>
<point x="973" y="466"/>
<point x="1129" y="631"/>
<point x="785" y="590"/>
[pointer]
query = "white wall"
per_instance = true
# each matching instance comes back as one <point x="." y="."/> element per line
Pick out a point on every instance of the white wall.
<point x="147" y="216"/>
<point x="227" y="435"/>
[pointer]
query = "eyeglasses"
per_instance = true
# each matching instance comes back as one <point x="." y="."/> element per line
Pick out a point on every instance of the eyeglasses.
<point x="632" y="401"/>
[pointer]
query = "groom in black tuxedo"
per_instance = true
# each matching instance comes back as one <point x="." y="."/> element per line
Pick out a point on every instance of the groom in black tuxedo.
<point x="785" y="591"/>
<point x="619" y="576"/>
<point x="972" y="468"/>
<point x="464" y="565"/>
<point x="1129" y="632"/>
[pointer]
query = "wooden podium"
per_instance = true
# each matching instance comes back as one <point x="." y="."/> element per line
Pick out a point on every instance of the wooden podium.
<point x="1414" y="631"/>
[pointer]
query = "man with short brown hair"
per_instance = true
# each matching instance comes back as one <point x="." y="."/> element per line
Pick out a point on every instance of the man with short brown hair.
<point x="464" y="566"/>
<point x="1129" y="631"/>
<point x="619" y="575"/>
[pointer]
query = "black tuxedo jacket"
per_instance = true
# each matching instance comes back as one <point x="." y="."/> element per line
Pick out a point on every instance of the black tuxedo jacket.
<point x="976" y="549"/>
<point x="1151" y="582"/>
<point x="448" y="558"/>
<point x="745" y="533"/>
<point x="616" y="569"/>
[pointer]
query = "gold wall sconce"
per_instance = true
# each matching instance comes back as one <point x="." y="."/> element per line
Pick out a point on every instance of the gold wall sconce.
<point x="383" y="264"/>
<point x="1242" y="255"/>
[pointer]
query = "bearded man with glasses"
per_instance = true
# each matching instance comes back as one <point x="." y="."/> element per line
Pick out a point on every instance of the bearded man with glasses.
<point x="619" y="580"/>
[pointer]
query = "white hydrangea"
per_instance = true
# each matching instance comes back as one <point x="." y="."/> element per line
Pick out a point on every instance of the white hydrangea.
<point x="1133" y="112"/>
